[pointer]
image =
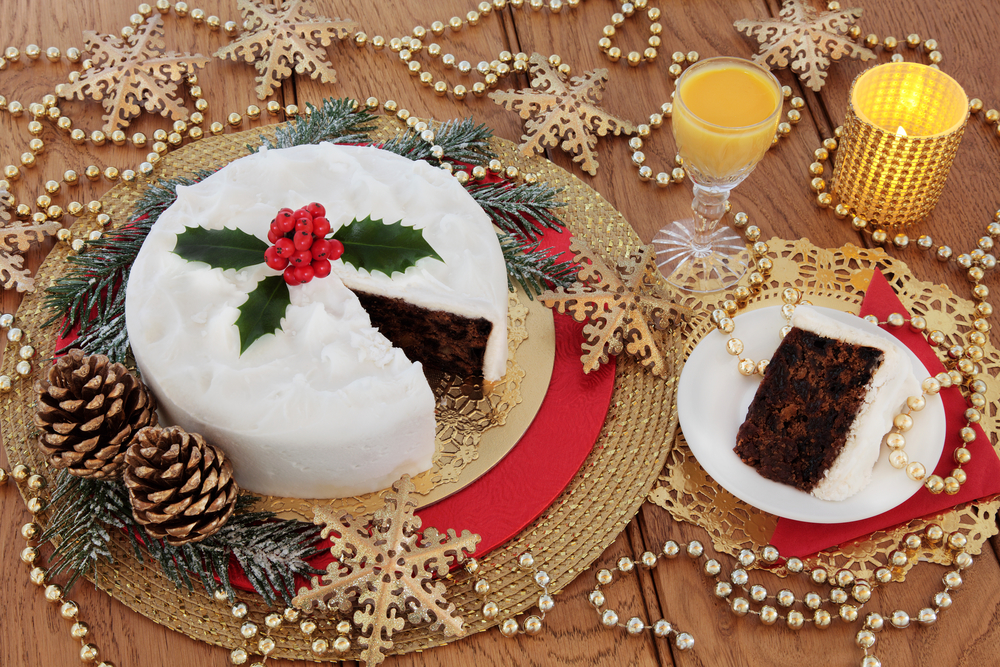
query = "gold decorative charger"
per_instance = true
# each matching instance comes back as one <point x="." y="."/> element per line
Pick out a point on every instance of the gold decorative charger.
<point x="836" y="279"/>
<point x="582" y="522"/>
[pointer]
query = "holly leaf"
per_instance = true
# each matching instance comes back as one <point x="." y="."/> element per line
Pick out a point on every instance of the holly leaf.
<point x="220" y="248"/>
<point x="375" y="246"/>
<point x="261" y="313"/>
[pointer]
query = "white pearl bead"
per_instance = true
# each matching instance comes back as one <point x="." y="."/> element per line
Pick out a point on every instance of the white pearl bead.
<point x="635" y="626"/>
<point x="545" y="603"/>
<point x="662" y="628"/>
<point x="684" y="641"/>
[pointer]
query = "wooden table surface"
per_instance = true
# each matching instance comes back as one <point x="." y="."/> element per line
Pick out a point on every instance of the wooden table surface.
<point x="776" y="196"/>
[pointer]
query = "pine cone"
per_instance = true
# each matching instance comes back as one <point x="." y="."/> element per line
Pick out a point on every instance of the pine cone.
<point x="88" y="410"/>
<point x="182" y="488"/>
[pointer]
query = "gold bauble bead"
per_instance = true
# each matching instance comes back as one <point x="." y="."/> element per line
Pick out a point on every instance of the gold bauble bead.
<point x="43" y="201"/>
<point x="273" y="107"/>
<point x="509" y="627"/>
<point x="992" y="116"/>
<point x="53" y="593"/>
<point x="35" y="128"/>
<point x="231" y="28"/>
<point x="214" y="128"/>
<point x="88" y="653"/>
<point x="28" y="159"/>
<point x="196" y="133"/>
<point x="30" y="531"/>
<point x="78" y="136"/>
<point x="201" y="105"/>
<point x="54" y="212"/>
<point x="38" y="576"/>
<point x="235" y="119"/>
<point x="77" y="245"/>
<point x="239" y="656"/>
<point x="341" y="644"/>
<point x="634" y="58"/>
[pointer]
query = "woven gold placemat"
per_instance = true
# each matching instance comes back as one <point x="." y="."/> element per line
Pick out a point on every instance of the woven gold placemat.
<point x="594" y="508"/>
<point x="835" y="279"/>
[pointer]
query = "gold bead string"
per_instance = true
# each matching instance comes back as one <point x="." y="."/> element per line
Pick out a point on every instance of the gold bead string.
<point x="847" y="597"/>
<point x="635" y="625"/>
<point x="31" y="556"/>
<point x="634" y="58"/>
<point x="16" y="339"/>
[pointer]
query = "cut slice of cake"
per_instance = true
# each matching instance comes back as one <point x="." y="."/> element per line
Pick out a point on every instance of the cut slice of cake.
<point x="827" y="399"/>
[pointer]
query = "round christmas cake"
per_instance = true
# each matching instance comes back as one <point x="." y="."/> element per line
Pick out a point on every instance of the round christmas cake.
<point x="334" y="403"/>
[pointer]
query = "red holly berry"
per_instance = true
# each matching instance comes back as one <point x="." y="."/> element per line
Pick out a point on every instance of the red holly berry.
<point x="316" y="210"/>
<point x="303" y="240"/>
<point x="272" y="236"/>
<point x="284" y="247"/>
<point x="321" y="249"/>
<point x="304" y="225"/>
<point x="290" y="277"/>
<point x="321" y="267"/>
<point x="321" y="227"/>
<point x="301" y="257"/>
<point x="336" y="249"/>
<point x="304" y="273"/>
<point x="275" y="261"/>
<point x="284" y="221"/>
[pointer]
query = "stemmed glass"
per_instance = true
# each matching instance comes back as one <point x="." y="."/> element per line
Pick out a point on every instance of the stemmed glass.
<point x="726" y="111"/>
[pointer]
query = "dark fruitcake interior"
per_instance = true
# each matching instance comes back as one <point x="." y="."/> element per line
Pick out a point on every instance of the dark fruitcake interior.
<point x="440" y="341"/>
<point x="798" y="422"/>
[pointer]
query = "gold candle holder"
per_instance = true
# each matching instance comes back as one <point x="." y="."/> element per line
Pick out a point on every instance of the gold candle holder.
<point x="904" y="123"/>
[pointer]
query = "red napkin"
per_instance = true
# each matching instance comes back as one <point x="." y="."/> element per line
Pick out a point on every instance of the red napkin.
<point x="798" y="538"/>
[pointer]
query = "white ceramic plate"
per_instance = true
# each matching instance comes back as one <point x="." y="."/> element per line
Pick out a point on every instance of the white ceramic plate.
<point x="712" y="402"/>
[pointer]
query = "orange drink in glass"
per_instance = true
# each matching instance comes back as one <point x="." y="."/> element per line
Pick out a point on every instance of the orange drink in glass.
<point x="726" y="111"/>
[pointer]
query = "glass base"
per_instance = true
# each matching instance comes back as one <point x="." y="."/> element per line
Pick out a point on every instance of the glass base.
<point x="693" y="262"/>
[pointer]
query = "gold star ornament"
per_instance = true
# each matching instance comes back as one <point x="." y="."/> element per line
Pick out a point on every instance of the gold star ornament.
<point x="285" y="36"/>
<point x="563" y="113"/>
<point x="805" y="40"/>
<point x="621" y="306"/>
<point x="386" y="571"/>
<point x="133" y="75"/>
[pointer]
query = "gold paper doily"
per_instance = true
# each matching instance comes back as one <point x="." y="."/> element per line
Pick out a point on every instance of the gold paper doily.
<point x="579" y="525"/>
<point x="835" y="279"/>
<point x="472" y="435"/>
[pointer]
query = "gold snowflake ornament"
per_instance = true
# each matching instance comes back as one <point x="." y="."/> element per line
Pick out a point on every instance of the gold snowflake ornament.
<point x="805" y="40"/>
<point x="557" y="109"/>
<point x="15" y="240"/>
<point x="134" y="74"/>
<point x="279" y="39"/>
<point x="386" y="571"/>
<point x="621" y="308"/>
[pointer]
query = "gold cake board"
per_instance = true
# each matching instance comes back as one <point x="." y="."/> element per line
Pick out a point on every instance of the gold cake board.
<point x="582" y="522"/>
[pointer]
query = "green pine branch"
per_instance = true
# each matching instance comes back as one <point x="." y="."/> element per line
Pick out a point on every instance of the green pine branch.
<point x="91" y="295"/>
<point x="523" y="210"/>
<point x="85" y="513"/>
<point x="535" y="271"/>
<point x="461" y="141"/>
<point x="339" y="121"/>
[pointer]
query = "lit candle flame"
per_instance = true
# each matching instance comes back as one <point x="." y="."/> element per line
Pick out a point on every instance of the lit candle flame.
<point x="900" y="132"/>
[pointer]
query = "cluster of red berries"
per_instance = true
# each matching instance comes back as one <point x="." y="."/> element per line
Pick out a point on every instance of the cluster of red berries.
<point x="300" y="248"/>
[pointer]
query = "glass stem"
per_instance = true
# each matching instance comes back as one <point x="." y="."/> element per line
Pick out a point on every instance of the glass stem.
<point x="709" y="206"/>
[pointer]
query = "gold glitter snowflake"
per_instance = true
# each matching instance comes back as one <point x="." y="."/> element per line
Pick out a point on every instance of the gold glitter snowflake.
<point x="280" y="39"/>
<point x="386" y="571"/>
<point x="805" y="40"/>
<point x="131" y="75"/>
<point x="621" y="308"/>
<point x="557" y="109"/>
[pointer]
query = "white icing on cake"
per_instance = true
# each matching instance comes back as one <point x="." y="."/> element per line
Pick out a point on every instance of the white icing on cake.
<point x="885" y="394"/>
<point x="325" y="407"/>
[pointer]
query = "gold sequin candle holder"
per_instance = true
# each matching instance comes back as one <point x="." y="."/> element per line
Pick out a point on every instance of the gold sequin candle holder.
<point x="904" y="123"/>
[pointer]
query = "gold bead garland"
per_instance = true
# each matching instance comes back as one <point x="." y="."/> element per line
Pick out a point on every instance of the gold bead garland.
<point x="635" y="625"/>
<point x="847" y="597"/>
<point x="38" y="575"/>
